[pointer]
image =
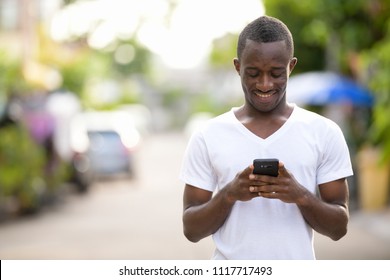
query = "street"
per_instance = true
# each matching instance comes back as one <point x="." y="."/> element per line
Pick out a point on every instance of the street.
<point x="137" y="218"/>
<point x="140" y="218"/>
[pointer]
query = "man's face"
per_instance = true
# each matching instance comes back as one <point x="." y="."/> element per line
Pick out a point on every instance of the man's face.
<point x="264" y="69"/>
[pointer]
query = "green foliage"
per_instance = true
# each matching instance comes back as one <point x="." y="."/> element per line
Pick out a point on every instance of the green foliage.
<point x="309" y="31"/>
<point x="327" y="31"/>
<point x="377" y="60"/>
<point x="88" y="64"/>
<point x="139" y="63"/>
<point x="376" y="66"/>
<point x="68" y="2"/>
<point x="11" y="71"/>
<point x="22" y="166"/>
<point x="224" y="51"/>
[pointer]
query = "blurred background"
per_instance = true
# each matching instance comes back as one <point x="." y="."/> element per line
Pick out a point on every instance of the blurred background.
<point x="99" y="97"/>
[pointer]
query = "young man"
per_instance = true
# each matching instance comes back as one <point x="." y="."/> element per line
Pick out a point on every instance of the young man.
<point x="258" y="216"/>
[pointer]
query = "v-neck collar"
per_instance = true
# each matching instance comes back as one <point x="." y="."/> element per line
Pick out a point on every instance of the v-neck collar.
<point x="281" y="130"/>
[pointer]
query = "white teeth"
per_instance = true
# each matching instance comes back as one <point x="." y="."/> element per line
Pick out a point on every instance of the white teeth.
<point x="263" y="95"/>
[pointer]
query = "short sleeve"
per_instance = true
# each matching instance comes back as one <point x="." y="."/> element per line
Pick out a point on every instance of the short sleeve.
<point x="335" y="161"/>
<point x="196" y="167"/>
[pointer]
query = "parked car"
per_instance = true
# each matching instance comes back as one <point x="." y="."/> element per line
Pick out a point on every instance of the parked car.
<point x="112" y="140"/>
<point x="107" y="152"/>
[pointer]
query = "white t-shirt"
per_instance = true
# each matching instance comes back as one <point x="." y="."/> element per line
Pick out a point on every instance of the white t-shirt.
<point x="312" y="147"/>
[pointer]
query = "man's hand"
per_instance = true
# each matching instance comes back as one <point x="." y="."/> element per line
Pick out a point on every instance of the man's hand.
<point x="284" y="187"/>
<point x="238" y="188"/>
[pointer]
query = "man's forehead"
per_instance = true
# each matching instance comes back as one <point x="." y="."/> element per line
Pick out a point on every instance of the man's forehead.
<point x="250" y="42"/>
<point x="278" y="48"/>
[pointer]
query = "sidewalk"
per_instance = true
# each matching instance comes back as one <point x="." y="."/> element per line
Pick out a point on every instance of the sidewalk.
<point x="368" y="238"/>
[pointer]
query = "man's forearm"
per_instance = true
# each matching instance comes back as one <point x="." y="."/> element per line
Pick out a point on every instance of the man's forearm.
<point x="203" y="220"/>
<point x="325" y="218"/>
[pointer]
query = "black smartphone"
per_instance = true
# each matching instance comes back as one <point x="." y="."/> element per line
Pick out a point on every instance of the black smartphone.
<point x="269" y="166"/>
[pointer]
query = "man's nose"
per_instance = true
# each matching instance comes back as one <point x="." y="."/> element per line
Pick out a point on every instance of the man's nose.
<point x="264" y="83"/>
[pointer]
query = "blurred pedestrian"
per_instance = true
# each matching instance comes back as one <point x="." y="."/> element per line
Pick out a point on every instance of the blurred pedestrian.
<point x="259" y="216"/>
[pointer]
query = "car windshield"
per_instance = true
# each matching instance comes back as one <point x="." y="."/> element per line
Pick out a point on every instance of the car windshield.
<point x="105" y="140"/>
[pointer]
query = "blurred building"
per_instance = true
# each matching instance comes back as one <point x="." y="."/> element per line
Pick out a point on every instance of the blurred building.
<point x="19" y="22"/>
<point x="18" y="18"/>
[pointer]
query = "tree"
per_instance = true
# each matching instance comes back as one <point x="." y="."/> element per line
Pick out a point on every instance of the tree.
<point x="376" y="63"/>
<point x="329" y="34"/>
<point x="351" y="37"/>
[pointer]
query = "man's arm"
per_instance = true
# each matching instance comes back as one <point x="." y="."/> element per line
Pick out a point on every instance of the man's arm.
<point x="328" y="215"/>
<point x="204" y="214"/>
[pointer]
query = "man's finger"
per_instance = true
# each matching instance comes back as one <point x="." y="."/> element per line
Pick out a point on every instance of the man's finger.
<point x="282" y="169"/>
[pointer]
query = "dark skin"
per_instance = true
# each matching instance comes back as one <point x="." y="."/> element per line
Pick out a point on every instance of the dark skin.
<point x="264" y="69"/>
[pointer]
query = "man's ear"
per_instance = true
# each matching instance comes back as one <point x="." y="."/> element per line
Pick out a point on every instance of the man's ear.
<point x="237" y="65"/>
<point x="293" y="62"/>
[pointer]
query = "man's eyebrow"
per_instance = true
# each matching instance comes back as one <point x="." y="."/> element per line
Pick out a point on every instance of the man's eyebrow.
<point x="272" y="68"/>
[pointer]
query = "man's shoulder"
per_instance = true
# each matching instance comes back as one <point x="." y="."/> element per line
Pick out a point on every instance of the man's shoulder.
<point x="314" y="120"/>
<point x="310" y="116"/>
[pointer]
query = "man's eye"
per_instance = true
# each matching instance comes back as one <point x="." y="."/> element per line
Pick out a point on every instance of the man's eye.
<point x="276" y="75"/>
<point x="253" y="73"/>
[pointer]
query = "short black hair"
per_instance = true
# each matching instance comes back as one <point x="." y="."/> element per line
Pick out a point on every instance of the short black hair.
<point x="265" y="29"/>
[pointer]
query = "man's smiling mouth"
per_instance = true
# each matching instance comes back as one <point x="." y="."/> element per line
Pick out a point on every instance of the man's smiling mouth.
<point x="264" y="95"/>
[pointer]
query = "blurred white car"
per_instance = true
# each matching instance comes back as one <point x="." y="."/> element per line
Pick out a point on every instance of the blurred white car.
<point x="107" y="153"/>
<point x="110" y="138"/>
